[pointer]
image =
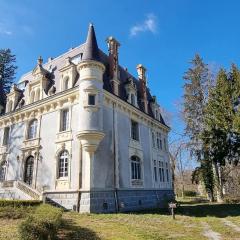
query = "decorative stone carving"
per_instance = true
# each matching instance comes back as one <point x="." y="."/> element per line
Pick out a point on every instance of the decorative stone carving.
<point x="64" y="136"/>
<point x="90" y="139"/>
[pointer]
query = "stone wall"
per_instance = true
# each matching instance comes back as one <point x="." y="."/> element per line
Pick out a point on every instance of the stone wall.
<point x="106" y="201"/>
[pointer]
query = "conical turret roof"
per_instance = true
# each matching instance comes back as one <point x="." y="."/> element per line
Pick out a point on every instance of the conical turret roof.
<point x="91" y="51"/>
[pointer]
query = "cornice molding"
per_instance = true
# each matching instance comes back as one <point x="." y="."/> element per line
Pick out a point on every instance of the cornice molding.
<point x="41" y="107"/>
<point x="133" y="111"/>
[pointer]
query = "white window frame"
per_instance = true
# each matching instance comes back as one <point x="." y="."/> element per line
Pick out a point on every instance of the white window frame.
<point x="62" y="128"/>
<point x="30" y="128"/>
<point x="136" y="168"/>
<point x="65" y="157"/>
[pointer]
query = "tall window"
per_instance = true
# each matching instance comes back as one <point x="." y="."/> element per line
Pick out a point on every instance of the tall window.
<point x="2" y="171"/>
<point x="159" y="141"/>
<point x="161" y="171"/>
<point x="64" y="124"/>
<point x="6" y="136"/>
<point x="153" y="140"/>
<point x="136" y="168"/>
<point x="165" y="144"/>
<point x="167" y="172"/>
<point x="134" y="130"/>
<point x="63" y="164"/>
<point x="28" y="173"/>
<point x="155" y="170"/>
<point x="32" y="129"/>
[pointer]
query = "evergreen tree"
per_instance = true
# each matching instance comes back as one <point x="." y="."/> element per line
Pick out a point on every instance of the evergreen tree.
<point x="7" y="72"/>
<point x="221" y="135"/>
<point x="197" y="84"/>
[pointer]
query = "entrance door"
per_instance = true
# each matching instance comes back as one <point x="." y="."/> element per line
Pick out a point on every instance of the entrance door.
<point x="28" y="172"/>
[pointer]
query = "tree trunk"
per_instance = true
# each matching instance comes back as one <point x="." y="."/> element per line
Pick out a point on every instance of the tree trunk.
<point x="210" y="196"/>
<point x="217" y="172"/>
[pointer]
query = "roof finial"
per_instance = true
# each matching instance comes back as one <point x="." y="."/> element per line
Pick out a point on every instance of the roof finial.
<point x="40" y="60"/>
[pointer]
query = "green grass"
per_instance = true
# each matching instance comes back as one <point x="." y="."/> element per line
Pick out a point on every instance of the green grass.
<point x="154" y="224"/>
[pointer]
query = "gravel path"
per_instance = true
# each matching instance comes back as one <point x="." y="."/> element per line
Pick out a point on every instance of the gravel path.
<point x="209" y="233"/>
<point x="231" y="224"/>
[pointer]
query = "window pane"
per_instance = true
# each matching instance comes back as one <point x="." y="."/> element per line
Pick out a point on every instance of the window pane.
<point x="63" y="164"/>
<point x="6" y="136"/>
<point x="91" y="99"/>
<point x="135" y="168"/>
<point x="135" y="130"/>
<point x="65" y="120"/>
<point x="32" y="131"/>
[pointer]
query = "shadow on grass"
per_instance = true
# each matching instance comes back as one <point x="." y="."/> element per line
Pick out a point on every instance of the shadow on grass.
<point x="199" y="210"/>
<point x="211" y="210"/>
<point x="70" y="230"/>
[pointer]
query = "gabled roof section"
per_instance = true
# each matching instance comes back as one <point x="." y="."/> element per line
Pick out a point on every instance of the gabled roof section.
<point x="91" y="51"/>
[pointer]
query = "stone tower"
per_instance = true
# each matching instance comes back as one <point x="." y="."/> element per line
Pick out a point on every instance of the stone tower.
<point x="90" y="106"/>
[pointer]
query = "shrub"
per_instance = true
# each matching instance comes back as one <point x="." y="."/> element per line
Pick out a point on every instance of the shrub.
<point x="190" y="194"/>
<point x="41" y="225"/>
<point x="231" y="199"/>
<point x="14" y="213"/>
<point x="19" y="203"/>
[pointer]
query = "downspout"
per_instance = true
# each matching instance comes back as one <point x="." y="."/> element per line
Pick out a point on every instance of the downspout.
<point x="38" y="152"/>
<point x="114" y="163"/>
<point x="80" y="179"/>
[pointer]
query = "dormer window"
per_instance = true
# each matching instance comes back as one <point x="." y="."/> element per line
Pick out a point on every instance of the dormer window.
<point x="10" y="105"/>
<point x="131" y="90"/>
<point x="133" y="102"/>
<point x="65" y="83"/>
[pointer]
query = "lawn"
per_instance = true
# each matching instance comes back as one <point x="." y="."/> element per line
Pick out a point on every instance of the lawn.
<point x="193" y="221"/>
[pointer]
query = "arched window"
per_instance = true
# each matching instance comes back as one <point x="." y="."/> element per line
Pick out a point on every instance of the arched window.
<point x="65" y="83"/>
<point x="63" y="164"/>
<point x="136" y="173"/>
<point x="32" y="129"/>
<point x="3" y="171"/>
<point x="28" y="170"/>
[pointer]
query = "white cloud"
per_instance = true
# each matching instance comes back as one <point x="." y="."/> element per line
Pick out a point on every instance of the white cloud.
<point x="148" y="25"/>
<point x="4" y="30"/>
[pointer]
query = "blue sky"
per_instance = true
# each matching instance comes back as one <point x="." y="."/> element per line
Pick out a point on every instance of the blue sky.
<point x="163" y="35"/>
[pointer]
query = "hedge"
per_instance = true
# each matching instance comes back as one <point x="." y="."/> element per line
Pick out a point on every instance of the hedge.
<point x="42" y="224"/>
<point x="19" y="203"/>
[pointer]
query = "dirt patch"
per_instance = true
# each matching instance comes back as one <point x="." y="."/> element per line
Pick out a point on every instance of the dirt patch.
<point x="209" y="233"/>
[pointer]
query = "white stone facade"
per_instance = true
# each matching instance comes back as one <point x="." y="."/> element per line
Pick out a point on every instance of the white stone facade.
<point x="71" y="140"/>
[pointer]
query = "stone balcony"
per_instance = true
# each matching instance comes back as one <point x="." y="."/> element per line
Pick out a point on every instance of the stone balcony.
<point x="64" y="136"/>
<point x="31" y="143"/>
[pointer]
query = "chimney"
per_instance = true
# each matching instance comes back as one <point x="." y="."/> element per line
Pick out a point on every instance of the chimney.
<point x="113" y="46"/>
<point x="141" y="70"/>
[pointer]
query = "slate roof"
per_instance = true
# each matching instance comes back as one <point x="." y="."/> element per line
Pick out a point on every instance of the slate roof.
<point x="90" y="51"/>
